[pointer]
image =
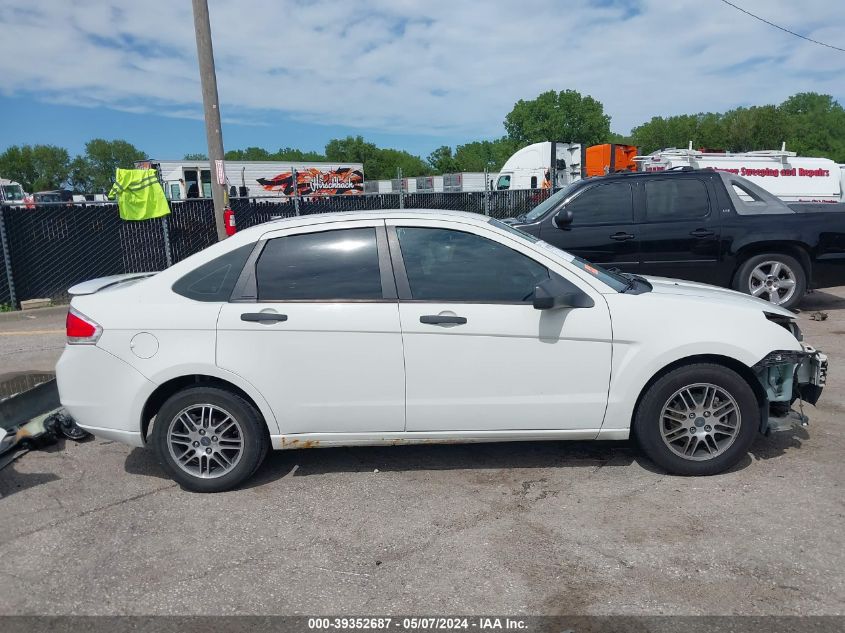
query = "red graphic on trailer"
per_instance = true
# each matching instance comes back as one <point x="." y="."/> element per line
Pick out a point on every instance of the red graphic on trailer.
<point x="316" y="182"/>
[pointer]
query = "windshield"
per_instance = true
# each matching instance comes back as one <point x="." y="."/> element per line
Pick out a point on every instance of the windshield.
<point x="12" y="192"/>
<point x="617" y="281"/>
<point x="514" y="231"/>
<point x="549" y="203"/>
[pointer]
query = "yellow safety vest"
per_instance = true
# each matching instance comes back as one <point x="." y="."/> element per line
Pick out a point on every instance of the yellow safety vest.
<point x="139" y="194"/>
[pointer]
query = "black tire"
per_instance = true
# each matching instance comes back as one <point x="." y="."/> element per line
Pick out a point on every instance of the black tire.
<point x="252" y="431"/>
<point x="742" y="279"/>
<point x="648" y="423"/>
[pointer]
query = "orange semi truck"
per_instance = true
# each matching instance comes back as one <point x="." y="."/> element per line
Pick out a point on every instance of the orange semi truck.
<point x="539" y="165"/>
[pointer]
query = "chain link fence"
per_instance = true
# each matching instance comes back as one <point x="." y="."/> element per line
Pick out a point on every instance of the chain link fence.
<point x="47" y="249"/>
<point x="6" y="299"/>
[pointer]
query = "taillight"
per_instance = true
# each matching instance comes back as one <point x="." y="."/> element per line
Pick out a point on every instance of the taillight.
<point x="80" y="329"/>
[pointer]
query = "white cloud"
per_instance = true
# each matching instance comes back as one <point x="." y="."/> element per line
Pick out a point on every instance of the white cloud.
<point x="435" y="67"/>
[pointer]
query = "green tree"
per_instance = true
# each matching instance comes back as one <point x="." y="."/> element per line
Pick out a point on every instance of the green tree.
<point x="378" y="163"/>
<point x="289" y="153"/>
<point x="36" y="167"/>
<point x="558" y="116"/>
<point x="250" y="153"/>
<point x="703" y="130"/>
<point x="621" y="139"/>
<point x="79" y="175"/>
<point x="104" y="157"/>
<point x="387" y="162"/>
<point x="815" y="125"/>
<point x="442" y="160"/>
<point x="811" y="124"/>
<point x="199" y="156"/>
<point x="481" y="155"/>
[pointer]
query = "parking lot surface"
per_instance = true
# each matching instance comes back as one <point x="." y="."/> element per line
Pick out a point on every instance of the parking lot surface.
<point x="533" y="528"/>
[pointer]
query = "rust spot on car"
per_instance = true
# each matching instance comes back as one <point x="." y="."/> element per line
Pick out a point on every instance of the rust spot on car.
<point x="296" y="443"/>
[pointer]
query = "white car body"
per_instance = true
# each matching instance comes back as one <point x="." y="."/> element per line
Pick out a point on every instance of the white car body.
<point x="368" y="373"/>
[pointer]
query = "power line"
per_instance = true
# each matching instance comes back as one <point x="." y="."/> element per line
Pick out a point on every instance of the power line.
<point x="785" y="30"/>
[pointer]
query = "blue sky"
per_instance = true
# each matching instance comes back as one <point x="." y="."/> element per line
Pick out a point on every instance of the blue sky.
<point x="406" y="74"/>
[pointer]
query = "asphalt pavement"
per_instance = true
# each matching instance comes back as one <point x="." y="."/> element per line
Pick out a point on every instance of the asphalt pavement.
<point x="532" y="528"/>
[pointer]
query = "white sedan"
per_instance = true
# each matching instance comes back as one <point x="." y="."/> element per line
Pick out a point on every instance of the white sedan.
<point x="402" y="327"/>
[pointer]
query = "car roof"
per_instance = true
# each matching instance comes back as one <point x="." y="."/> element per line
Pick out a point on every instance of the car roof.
<point x="384" y="214"/>
<point x="683" y="171"/>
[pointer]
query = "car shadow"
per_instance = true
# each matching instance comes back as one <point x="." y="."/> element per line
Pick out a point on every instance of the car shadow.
<point x="819" y="300"/>
<point x="442" y="457"/>
<point x="477" y="456"/>
<point x="778" y="444"/>
<point x="360" y="459"/>
<point x="13" y="481"/>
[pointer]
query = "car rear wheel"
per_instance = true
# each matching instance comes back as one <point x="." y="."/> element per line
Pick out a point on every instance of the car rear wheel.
<point x="209" y="439"/>
<point x="777" y="278"/>
<point x="698" y="419"/>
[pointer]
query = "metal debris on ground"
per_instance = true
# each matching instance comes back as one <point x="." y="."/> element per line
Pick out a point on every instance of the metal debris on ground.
<point x="818" y="316"/>
<point x="31" y="416"/>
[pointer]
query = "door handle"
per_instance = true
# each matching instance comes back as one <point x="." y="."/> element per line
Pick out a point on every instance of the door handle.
<point x="702" y="233"/>
<point x="621" y="236"/>
<point x="442" y="319"/>
<point x="258" y="317"/>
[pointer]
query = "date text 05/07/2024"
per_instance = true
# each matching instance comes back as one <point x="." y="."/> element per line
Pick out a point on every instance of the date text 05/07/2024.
<point x="417" y="623"/>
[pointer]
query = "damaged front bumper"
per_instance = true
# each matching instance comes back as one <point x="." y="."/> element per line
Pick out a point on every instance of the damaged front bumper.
<point x="787" y="376"/>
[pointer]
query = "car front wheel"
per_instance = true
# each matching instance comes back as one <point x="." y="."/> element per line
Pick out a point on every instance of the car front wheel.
<point x="209" y="439"/>
<point x="698" y="419"/>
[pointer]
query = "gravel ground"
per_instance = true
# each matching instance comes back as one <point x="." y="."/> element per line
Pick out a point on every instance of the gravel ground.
<point x="543" y="528"/>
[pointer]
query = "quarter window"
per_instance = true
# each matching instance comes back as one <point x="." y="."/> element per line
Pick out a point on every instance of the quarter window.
<point x="676" y="199"/>
<point x="610" y="203"/>
<point x="214" y="280"/>
<point x="446" y="265"/>
<point x="329" y="265"/>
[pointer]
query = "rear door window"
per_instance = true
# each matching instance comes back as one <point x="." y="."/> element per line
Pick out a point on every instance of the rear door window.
<point x="325" y="266"/>
<point x="676" y="199"/>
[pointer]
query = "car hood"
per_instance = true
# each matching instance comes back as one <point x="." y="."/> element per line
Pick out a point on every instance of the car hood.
<point x="664" y="285"/>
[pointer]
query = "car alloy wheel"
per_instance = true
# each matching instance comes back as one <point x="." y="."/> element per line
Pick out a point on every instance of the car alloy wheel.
<point x="700" y="421"/>
<point x="773" y="281"/>
<point x="205" y="441"/>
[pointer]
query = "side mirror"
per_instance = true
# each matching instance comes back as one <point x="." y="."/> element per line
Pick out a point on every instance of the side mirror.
<point x="563" y="219"/>
<point x="557" y="292"/>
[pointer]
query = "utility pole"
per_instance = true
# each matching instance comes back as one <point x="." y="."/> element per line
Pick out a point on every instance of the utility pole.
<point x="213" y="133"/>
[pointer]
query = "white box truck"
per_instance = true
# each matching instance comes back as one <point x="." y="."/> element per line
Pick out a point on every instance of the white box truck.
<point x="790" y="177"/>
<point x="469" y="181"/>
<point x="192" y="179"/>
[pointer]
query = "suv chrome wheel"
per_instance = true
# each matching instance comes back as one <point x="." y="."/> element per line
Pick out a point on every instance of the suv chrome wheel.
<point x="205" y="441"/>
<point x="773" y="281"/>
<point x="700" y="421"/>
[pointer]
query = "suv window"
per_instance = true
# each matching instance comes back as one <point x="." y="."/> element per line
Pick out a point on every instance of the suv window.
<point x="676" y="199"/>
<point x="329" y="265"/>
<point x="447" y="265"/>
<point x="607" y="203"/>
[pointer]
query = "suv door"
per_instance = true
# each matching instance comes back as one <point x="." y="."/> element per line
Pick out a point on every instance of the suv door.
<point x="478" y="356"/>
<point x="680" y="230"/>
<point x="314" y="325"/>
<point x="602" y="230"/>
